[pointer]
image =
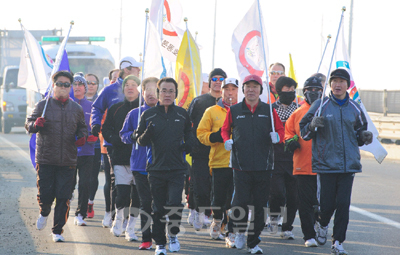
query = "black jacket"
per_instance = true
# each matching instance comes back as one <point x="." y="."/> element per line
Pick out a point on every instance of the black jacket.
<point x="196" y="110"/>
<point x="112" y="125"/>
<point x="252" y="146"/>
<point x="170" y="130"/>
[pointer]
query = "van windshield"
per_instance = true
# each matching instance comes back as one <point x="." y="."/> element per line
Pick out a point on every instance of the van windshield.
<point x="99" y="67"/>
<point x="12" y="79"/>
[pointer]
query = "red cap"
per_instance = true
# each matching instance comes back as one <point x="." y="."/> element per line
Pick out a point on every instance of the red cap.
<point x="252" y="77"/>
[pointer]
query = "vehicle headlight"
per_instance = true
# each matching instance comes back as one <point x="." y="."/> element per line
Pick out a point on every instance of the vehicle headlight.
<point x="8" y="107"/>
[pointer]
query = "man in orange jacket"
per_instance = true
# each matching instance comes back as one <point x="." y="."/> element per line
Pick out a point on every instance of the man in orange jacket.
<point x="302" y="168"/>
<point x="209" y="134"/>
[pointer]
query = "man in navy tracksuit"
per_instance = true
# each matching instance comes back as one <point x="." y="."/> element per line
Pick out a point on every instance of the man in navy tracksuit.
<point x="139" y="159"/>
<point x="85" y="153"/>
<point x="109" y="96"/>
<point x="168" y="129"/>
<point x="252" y="159"/>
<point x="336" y="135"/>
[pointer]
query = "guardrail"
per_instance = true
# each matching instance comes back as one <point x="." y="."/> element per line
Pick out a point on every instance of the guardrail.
<point x="388" y="127"/>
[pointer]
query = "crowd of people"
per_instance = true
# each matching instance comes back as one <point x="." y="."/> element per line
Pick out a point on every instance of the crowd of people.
<point x="252" y="164"/>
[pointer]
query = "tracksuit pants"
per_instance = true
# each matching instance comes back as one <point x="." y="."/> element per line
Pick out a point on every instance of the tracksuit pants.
<point x="83" y="169"/>
<point x="250" y="187"/>
<point x="335" y="196"/>
<point x="201" y="184"/>
<point x="189" y="189"/>
<point x="283" y="193"/>
<point x="308" y="204"/>
<point x="143" y="190"/>
<point x="55" y="182"/>
<point x="166" y="188"/>
<point x="94" y="175"/>
<point x="222" y="190"/>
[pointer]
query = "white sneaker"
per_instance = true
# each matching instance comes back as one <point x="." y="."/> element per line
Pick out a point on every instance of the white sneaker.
<point x="311" y="243"/>
<point x="198" y="221"/>
<point x="107" y="220"/>
<point x="160" y="250"/>
<point x="337" y="249"/>
<point x="206" y="222"/>
<point x="116" y="228"/>
<point x="288" y="235"/>
<point x="130" y="230"/>
<point x="79" y="220"/>
<point x="255" y="250"/>
<point x="230" y="240"/>
<point x="57" y="238"/>
<point x="215" y="229"/>
<point x="174" y="244"/>
<point x="190" y="218"/>
<point x="320" y="233"/>
<point x="240" y="241"/>
<point x="41" y="222"/>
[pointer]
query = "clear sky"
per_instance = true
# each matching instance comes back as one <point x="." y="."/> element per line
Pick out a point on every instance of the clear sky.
<point x="298" y="27"/>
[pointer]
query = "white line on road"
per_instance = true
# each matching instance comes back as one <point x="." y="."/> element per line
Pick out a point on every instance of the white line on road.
<point x="375" y="216"/>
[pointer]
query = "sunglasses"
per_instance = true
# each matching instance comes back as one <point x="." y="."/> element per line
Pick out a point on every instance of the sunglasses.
<point x="91" y="83"/>
<point x="65" y="85"/>
<point x="218" y="79"/>
<point x="277" y="72"/>
<point x="78" y="84"/>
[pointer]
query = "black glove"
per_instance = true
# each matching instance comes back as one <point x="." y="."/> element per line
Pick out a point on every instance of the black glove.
<point x="292" y="144"/>
<point x="316" y="122"/>
<point x="366" y="137"/>
<point x="216" y="137"/>
<point x="186" y="148"/>
<point x="133" y="136"/>
<point x="96" y="129"/>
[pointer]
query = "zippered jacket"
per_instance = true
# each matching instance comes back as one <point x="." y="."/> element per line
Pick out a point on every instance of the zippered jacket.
<point x="88" y="148"/>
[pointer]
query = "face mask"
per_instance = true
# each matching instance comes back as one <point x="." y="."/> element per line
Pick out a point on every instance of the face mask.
<point x="311" y="96"/>
<point x="287" y="97"/>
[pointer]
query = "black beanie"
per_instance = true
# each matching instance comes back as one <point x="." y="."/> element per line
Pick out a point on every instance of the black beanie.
<point x="342" y="74"/>
<point x="216" y="71"/>
<point x="284" y="81"/>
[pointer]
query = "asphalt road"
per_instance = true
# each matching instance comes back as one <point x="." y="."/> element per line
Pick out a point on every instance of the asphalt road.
<point x="373" y="229"/>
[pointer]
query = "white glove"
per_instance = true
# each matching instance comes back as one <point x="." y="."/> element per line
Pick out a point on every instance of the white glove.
<point x="274" y="137"/>
<point x="228" y="145"/>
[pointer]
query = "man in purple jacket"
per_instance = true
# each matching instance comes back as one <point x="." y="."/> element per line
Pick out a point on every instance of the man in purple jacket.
<point x="139" y="158"/>
<point x="85" y="153"/>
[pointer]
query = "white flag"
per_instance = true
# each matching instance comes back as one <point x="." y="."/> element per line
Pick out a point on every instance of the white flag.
<point x="35" y="68"/>
<point x="342" y="61"/>
<point x="166" y="16"/>
<point x="153" y="63"/>
<point x="247" y="45"/>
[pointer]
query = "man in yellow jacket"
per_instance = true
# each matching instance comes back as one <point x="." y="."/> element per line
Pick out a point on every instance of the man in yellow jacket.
<point x="209" y="133"/>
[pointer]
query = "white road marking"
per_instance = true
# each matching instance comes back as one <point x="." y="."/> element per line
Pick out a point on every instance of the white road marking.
<point x="375" y="217"/>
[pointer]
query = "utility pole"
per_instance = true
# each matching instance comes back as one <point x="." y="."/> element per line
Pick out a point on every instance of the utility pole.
<point x="120" y="32"/>
<point x="350" y="27"/>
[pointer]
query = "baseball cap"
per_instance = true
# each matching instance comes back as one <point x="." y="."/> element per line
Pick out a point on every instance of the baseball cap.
<point x="231" y="81"/>
<point x="252" y="77"/>
<point x="129" y="61"/>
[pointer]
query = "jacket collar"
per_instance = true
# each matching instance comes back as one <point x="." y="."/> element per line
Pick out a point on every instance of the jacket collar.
<point x="246" y="109"/>
<point x="333" y="98"/>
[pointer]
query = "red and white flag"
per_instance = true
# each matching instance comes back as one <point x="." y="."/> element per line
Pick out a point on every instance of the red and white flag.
<point x="247" y="44"/>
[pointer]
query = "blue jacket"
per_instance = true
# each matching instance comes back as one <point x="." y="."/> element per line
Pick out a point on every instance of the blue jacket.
<point x="108" y="96"/>
<point x="139" y="156"/>
<point x="335" y="146"/>
<point x="87" y="149"/>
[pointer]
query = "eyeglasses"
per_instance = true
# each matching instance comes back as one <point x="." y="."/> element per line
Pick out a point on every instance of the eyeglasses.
<point x="78" y="84"/>
<point x="168" y="91"/>
<point x="91" y="83"/>
<point x="277" y="72"/>
<point x="65" y="85"/>
<point x="217" y="79"/>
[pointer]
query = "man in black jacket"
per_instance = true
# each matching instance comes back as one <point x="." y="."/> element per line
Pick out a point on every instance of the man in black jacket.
<point x="167" y="129"/>
<point x="200" y="177"/>
<point x="120" y="158"/>
<point x="59" y="133"/>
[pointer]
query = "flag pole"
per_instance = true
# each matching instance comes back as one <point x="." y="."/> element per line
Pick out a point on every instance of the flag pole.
<point x="323" y="54"/>
<point x="55" y="68"/>
<point x="215" y="31"/>
<point x="29" y="54"/>
<point x="191" y="58"/>
<point x="144" y="58"/>
<point x="266" y="67"/>
<point x="330" y="64"/>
